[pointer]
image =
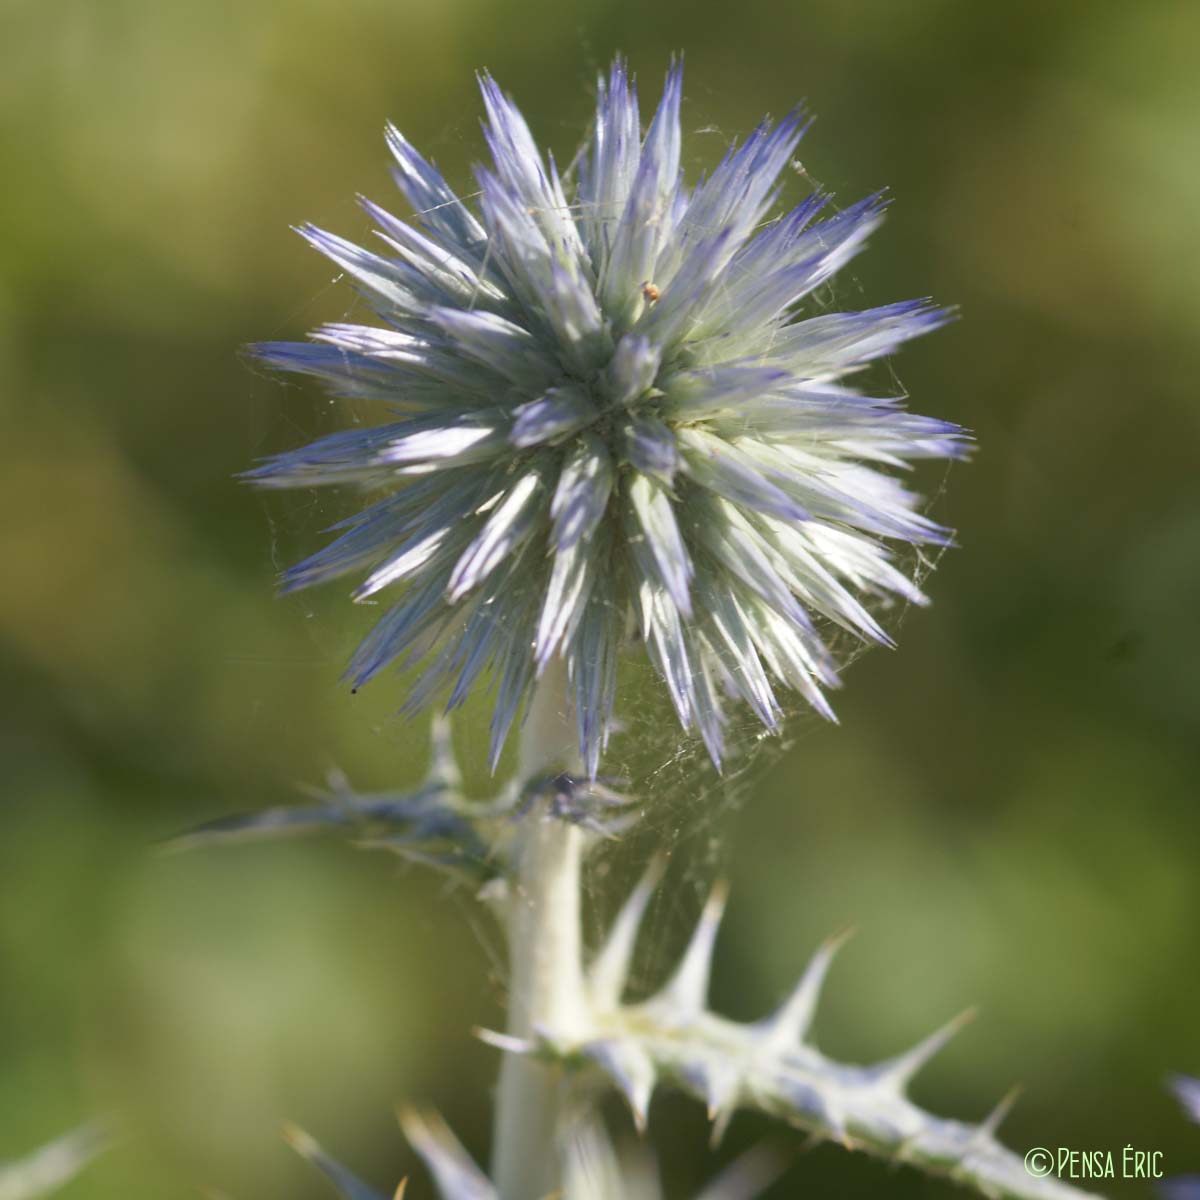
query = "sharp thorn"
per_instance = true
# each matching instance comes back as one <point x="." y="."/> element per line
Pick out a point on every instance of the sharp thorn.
<point x="451" y="1166"/>
<point x="720" y="1091"/>
<point x="687" y="991"/>
<point x="992" y="1122"/>
<point x="720" y="1125"/>
<point x="813" y="1139"/>
<point x="609" y="971"/>
<point x="1187" y="1092"/>
<point x="303" y="1143"/>
<point x="503" y="1041"/>
<point x="718" y="1085"/>
<point x="789" y="1024"/>
<point x="901" y="1070"/>
<point x="410" y="1120"/>
<point x="631" y="1070"/>
<point x="822" y="1114"/>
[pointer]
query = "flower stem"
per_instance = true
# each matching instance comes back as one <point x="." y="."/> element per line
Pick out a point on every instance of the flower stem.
<point x="544" y="947"/>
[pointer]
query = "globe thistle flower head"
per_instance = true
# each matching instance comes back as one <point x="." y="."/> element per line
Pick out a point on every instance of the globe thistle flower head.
<point x="604" y="408"/>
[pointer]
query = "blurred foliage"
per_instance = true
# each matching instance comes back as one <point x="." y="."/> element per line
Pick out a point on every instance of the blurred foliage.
<point x="1008" y="810"/>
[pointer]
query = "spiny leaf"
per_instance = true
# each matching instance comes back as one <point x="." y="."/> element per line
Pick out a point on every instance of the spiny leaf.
<point x="434" y="824"/>
<point x="770" y="1065"/>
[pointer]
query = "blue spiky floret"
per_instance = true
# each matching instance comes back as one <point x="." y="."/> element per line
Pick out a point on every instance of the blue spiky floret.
<point x="607" y="408"/>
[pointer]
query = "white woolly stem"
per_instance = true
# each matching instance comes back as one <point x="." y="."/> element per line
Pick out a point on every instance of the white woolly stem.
<point x="544" y="951"/>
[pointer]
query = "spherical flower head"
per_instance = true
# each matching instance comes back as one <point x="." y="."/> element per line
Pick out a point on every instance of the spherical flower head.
<point x="606" y="413"/>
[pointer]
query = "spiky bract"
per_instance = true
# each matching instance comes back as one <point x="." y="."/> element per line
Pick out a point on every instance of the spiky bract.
<point x="607" y="408"/>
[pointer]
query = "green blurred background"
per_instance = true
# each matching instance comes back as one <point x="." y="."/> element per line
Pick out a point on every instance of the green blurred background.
<point x="1008" y="810"/>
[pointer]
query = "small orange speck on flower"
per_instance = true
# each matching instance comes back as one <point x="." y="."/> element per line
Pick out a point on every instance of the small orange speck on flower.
<point x="649" y="292"/>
